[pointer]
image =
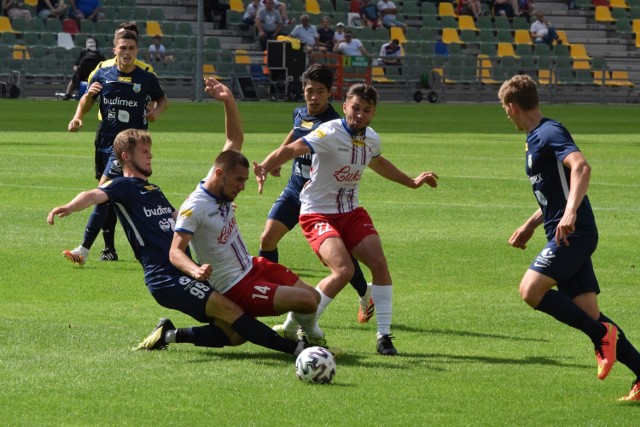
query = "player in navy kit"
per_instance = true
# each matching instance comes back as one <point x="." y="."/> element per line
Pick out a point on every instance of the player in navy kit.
<point x="129" y="97"/>
<point x="148" y="220"/>
<point x="559" y="175"/>
<point x="317" y="81"/>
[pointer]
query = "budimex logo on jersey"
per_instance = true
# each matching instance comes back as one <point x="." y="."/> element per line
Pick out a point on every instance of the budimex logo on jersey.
<point x="137" y="87"/>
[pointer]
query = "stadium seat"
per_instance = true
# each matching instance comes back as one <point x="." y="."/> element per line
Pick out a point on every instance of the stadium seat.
<point x="450" y="35"/>
<point x="618" y="4"/>
<point x="506" y="50"/>
<point x="635" y="26"/>
<point x="153" y="28"/>
<point x="502" y="23"/>
<point x="578" y="51"/>
<point x="236" y="5"/>
<point x="603" y="14"/>
<point x="522" y="37"/>
<point x="397" y="33"/>
<point x="428" y="8"/>
<point x="20" y="52"/>
<point x="5" y="25"/>
<point x="19" y="24"/>
<point x="466" y="22"/>
<point x="53" y="25"/>
<point x="377" y="75"/>
<point x="312" y="7"/>
<point x="484" y="70"/>
<point x="469" y="37"/>
<point x="562" y="35"/>
<point x="70" y="26"/>
<point x="523" y="50"/>
<point x="446" y="9"/>
<point x="621" y="78"/>
<point x="242" y="57"/>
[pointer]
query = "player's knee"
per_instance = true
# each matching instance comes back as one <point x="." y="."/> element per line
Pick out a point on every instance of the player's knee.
<point x="529" y="294"/>
<point x="308" y="303"/>
<point x="378" y="266"/>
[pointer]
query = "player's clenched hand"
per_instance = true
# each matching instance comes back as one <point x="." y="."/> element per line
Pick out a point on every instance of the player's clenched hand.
<point x="94" y="89"/>
<point x="60" y="212"/>
<point x="202" y="272"/>
<point x="565" y="227"/>
<point x="430" y="178"/>
<point x="521" y="236"/>
<point x="74" y="125"/>
<point x="261" y="175"/>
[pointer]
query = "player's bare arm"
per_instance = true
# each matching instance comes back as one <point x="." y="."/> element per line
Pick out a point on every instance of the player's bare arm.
<point x="159" y="107"/>
<point x="233" y="121"/>
<point x="182" y="261"/>
<point x="277" y="158"/>
<point x="521" y="236"/>
<point x="275" y="172"/>
<point x="388" y="170"/>
<point x="80" y="202"/>
<point x="580" y="176"/>
<point x="84" y="106"/>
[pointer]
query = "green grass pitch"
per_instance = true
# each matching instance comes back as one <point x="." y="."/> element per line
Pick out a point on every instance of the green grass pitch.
<point x="471" y="352"/>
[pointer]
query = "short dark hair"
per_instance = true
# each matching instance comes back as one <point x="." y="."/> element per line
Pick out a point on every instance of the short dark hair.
<point x="127" y="140"/>
<point x="520" y="90"/>
<point x="229" y="159"/>
<point x="126" y="35"/>
<point x="129" y="26"/>
<point x="363" y="91"/>
<point x="318" y="73"/>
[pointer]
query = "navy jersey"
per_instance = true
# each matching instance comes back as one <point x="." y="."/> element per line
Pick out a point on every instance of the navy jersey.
<point x="547" y="146"/>
<point x="123" y="101"/>
<point x="147" y="218"/>
<point x="303" y="123"/>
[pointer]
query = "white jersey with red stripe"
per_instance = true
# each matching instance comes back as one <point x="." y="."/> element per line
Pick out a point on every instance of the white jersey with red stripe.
<point x="215" y="237"/>
<point x="339" y="160"/>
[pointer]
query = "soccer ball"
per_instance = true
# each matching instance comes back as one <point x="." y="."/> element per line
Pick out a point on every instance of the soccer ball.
<point x="316" y="365"/>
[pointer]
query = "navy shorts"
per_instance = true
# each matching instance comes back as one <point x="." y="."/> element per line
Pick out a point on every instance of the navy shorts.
<point x="184" y="294"/>
<point x="286" y="210"/>
<point x="570" y="266"/>
<point x="112" y="169"/>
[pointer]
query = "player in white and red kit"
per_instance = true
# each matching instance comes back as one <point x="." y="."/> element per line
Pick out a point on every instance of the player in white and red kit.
<point x="333" y="223"/>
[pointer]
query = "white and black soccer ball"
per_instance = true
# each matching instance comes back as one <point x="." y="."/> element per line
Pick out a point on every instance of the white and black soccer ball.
<point x="316" y="365"/>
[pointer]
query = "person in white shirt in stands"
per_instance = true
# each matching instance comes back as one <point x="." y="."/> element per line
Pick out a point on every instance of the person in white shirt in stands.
<point x="306" y="33"/>
<point x="388" y="11"/>
<point x="338" y="36"/>
<point x="350" y="46"/>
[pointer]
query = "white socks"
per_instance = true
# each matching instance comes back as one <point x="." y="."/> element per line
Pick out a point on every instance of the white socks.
<point x="382" y="298"/>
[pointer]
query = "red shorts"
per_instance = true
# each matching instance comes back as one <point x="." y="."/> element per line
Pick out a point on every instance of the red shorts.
<point x="352" y="227"/>
<point x="255" y="292"/>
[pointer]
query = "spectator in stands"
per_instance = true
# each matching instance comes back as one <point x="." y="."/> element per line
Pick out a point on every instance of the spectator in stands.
<point x="306" y="33"/>
<point x="87" y="61"/>
<point x="338" y="36"/>
<point x="212" y="7"/>
<point x="282" y="8"/>
<point x="14" y="9"/>
<point x="157" y="52"/>
<point x="350" y="46"/>
<point x="51" y="9"/>
<point x="326" y="35"/>
<point x="470" y="7"/>
<point x="388" y="10"/>
<point x="391" y="53"/>
<point x="369" y="14"/>
<point x="251" y="11"/>
<point x="269" y="23"/>
<point x="85" y="9"/>
<point x="508" y="8"/>
<point x="526" y="8"/>
<point x="542" y="31"/>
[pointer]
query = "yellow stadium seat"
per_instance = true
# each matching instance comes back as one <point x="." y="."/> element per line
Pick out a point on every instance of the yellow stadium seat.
<point x="484" y="70"/>
<point x="33" y="3"/>
<point x="522" y="37"/>
<point x="446" y="9"/>
<point x="545" y="77"/>
<point x="621" y="78"/>
<point x="506" y="49"/>
<point x="450" y="35"/>
<point x="603" y="14"/>
<point x="638" y="39"/>
<point x="636" y="26"/>
<point x="236" y="5"/>
<point x="563" y="37"/>
<point x="5" y="25"/>
<point x="20" y="52"/>
<point x="578" y="51"/>
<point x="377" y="75"/>
<point x="153" y="29"/>
<point x="312" y="7"/>
<point x="242" y="57"/>
<point x="397" y="33"/>
<point x="581" y="64"/>
<point x="601" y="77"/>
<point x="619" y="4"/>
<point x="466" y="22"/>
